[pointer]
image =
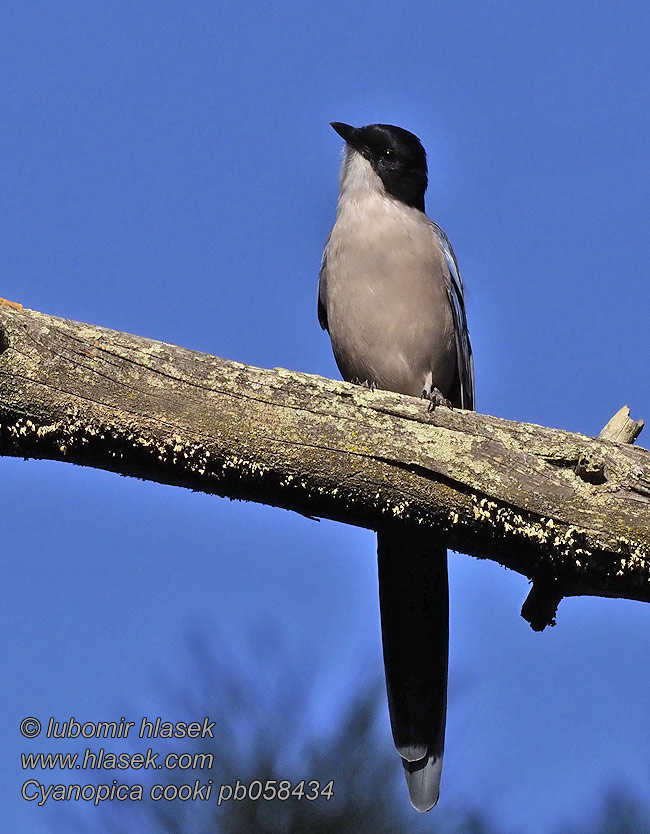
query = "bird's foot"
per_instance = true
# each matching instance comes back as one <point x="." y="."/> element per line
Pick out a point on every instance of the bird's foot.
<point x="14" y="305"/>
<point x="436" y="398"/>
<point x="366" y="383"/>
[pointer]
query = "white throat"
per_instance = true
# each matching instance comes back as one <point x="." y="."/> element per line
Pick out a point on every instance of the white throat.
<point x="358" y="179"/>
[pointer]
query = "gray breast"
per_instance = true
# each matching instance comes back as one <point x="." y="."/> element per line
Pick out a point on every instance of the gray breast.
<point x="385" y="296"/>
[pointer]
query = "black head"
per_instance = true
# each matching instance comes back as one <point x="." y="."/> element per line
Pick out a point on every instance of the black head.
<point x="396" y="155"/>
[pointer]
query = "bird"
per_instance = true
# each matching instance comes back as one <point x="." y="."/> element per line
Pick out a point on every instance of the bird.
<point x="391" y="298"/>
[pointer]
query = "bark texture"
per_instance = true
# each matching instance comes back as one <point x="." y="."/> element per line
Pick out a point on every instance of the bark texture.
<point x="570" y="512"/>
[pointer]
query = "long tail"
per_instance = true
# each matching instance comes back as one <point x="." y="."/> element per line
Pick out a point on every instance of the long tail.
<point x="414" y="604"/>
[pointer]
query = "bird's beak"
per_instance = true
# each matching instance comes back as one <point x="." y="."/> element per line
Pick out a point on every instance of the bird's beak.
<point x="347" y="132"/>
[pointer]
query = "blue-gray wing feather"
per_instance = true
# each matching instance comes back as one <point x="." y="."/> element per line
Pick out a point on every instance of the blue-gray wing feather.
<point x="322" y="289"/>
<point x="464" y="358"/>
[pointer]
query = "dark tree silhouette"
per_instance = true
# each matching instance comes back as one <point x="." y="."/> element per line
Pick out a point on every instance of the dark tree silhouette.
<point x="620" y="813"/>
<point x="265" y="731"/>
<point x="263" y="705"/>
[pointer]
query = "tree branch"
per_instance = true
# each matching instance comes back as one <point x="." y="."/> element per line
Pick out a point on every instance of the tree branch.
<point x="568" y="511"/>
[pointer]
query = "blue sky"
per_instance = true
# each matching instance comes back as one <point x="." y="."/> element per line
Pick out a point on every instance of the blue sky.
<point x="168" y="170"/>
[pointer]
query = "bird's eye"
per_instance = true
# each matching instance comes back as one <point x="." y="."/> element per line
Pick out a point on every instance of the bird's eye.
<point x="388" y="152"/>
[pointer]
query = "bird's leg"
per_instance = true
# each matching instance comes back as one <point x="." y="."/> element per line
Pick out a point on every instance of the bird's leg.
<point x="436" y="398"/>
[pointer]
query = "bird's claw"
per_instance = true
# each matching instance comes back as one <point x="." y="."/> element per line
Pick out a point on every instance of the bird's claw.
<point x="436" y="398"/>
<point x="371" y="386"/>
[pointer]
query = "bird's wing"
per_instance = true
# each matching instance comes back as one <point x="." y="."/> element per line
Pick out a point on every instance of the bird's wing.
<point x="457" y="301"/>
<point x="322" y="289"/>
